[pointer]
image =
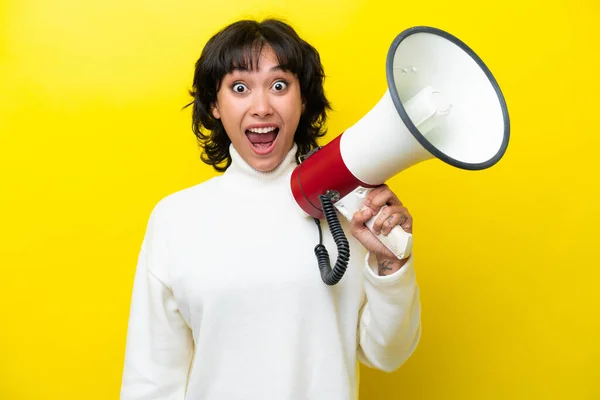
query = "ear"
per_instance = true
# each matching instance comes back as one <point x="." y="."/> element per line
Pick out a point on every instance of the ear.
<point x="214" y="109"/>
<point x="303" y="106"/>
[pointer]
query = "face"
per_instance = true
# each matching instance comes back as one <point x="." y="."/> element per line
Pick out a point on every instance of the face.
<point x="260" y="111"/>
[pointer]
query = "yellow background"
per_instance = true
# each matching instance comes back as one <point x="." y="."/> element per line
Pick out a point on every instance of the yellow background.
<point x="92" y="135"/>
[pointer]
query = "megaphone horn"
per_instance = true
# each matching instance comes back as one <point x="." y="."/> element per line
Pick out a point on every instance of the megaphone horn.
<point x="442" y="102"/>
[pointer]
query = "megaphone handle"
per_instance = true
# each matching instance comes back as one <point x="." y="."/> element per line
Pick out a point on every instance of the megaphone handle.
<point x="398" y="241"/>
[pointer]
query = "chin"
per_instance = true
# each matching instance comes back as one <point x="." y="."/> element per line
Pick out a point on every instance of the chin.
<point x="266" y="165"/>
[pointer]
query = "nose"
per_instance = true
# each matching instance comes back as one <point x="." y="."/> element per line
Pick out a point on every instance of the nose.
<point x="261" y="104"/>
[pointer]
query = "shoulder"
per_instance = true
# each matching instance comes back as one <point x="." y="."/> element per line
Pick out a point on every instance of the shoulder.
<point x="176" y="208"/>
<point x="184" y="200"/>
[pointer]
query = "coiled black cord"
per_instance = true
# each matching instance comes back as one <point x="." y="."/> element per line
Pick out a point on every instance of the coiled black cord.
<point x="332" y="276"/>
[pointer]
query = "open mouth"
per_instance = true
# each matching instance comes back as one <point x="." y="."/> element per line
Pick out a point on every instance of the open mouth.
<point x="262" y="139"/>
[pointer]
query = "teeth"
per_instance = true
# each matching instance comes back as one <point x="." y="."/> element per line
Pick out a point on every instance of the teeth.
<point x="262" y="130"/>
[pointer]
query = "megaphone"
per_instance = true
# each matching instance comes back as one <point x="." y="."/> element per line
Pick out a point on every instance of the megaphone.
<point x="442" y="102"/>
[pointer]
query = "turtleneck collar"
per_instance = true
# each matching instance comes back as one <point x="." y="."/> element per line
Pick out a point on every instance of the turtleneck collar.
<point x="240" y="170"/>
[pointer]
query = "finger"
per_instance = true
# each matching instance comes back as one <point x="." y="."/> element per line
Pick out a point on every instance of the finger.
<point x="390" y="217"/>
<point x="360" y="218"/>
<point x="384" y="197"/>
<point x="405" y="221"/>
<point x="383" y="217"/>
<point x="408" y="224"/>
<point x="373" y="193"/>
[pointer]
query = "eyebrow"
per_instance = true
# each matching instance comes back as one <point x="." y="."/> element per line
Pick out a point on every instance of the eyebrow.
<point x="273" y="69"/>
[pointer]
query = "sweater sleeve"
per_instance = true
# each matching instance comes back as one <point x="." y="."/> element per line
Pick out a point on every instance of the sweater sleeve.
<point x="390" y="320"/>
<point x="159" y="343"/>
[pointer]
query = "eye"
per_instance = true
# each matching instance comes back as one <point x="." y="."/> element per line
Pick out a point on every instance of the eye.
<point x="239" y="87"/>
<point x="280" y="86"/>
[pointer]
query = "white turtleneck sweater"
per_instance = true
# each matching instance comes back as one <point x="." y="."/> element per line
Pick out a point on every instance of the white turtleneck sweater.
<point x="228" y="302"/>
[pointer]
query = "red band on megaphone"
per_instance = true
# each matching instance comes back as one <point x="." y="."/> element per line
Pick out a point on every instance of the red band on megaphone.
<point x="322" y="171"/>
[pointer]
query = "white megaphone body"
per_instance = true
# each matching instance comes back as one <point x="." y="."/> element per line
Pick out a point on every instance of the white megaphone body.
<point x="441" y="102"/>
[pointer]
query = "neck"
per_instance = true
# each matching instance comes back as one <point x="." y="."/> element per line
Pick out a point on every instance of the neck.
<point x="241" y="170"/>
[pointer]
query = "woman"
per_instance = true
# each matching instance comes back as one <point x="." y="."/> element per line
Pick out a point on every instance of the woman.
<point x="228" y="302"/>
